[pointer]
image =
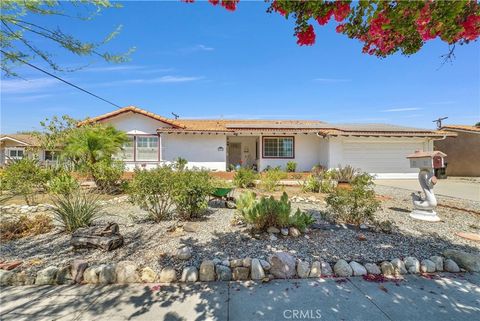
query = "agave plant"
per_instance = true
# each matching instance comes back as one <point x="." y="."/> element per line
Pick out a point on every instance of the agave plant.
<point x="346" y="174"/>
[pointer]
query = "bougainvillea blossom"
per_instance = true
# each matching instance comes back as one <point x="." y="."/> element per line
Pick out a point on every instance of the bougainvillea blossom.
<point x="306" y="37"/>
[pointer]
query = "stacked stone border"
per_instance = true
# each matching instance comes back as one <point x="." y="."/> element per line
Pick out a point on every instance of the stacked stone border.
<point x="279" y="265"/>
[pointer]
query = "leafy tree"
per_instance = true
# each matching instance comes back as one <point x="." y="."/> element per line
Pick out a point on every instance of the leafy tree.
<point x="22" y="36"/>
<point x="477" y="124"/>
<point x="383" y="26"/>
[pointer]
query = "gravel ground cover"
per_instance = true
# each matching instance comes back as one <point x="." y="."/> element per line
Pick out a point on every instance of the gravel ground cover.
<point x="213" y="236"/>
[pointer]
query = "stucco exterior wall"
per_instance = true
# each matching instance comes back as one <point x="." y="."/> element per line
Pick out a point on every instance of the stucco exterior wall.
<point x="132" y="123"/>
<point x="463" y="153"/>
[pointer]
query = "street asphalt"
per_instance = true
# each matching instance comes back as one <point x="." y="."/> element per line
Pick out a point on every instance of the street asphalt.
<point x="444" y="297"/>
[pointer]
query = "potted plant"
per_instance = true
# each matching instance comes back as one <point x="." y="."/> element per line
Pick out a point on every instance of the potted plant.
<point x="344" y="176"/>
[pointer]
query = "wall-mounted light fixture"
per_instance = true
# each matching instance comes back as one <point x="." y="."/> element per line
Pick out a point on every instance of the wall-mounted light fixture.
<point x="220" y="149"/>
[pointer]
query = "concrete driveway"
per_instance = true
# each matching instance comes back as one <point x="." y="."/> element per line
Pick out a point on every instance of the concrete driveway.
<point x="464" y="189"/>
<point x="448" y="297"/>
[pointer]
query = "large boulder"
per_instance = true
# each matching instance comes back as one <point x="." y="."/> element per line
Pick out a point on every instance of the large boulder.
<point x="358" y="269"/>
<point x="167" y="275"/>
<point x="90" y="275"/>
<point x="450" y="266"/>
<point x="207" y="271"/>
<point x="438" y="260"/>
<point x="127" y="272"/>
<point x="387" y="268"/>
<point x="106" y="274"/>
<point x="47" y="276"/>
<point x="282" y="265"/>
<point x="316" y="270"/>
<point x="257" y="272"/>
<point x="427" y="266"/>
<point x="399" y="266"/>
<point x="468" y="261"/>
<point x="223" y="273"/>
<point x="147" y="275"/>
<point x="189" y="274"/>
<point x="303" y="269"/>
<point x="342" y="268"/>
<point x="412" y="264"/>
<point x="372" y="268"/>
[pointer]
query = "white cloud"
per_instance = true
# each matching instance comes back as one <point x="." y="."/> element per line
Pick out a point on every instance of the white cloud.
<point x="21" y="86"/>
<point x="163" y="79"/>
<point x="331" y="80"/>
<point x="396" y="110"/>
<point x="112" y="68"/>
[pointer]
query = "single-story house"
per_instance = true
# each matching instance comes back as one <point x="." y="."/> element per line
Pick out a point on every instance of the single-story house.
<point x="217" y="144"/>
<point x="17" y="146"/>
<point x="463" y="151"/>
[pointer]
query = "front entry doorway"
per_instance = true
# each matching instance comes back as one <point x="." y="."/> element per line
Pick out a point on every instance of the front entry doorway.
<point x="234" y="154"/>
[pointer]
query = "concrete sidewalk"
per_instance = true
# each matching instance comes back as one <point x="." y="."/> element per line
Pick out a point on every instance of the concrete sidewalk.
<point x="463" y="189"/>
<point x="449" y="297"/>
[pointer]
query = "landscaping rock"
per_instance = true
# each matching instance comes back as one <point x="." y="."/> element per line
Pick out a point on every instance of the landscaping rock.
<point x="106" y="274"/>
<point x="412" y="264"/>
<point x="189" y="274"/>
<point x="207" y="271"/>
<point x="358" y="269"/>
<point x="225" y="263"/>
<point x="78" y="267"/>
<point x="223" y="273"/>
<point x="247" y="262"/>
<point x="342" y="268"/>
<point x="427" y="266"/>
<point x="387" y="268"/>
<point x="284" y="231"/>
<point x="316" y="270"/>
<point x="184" y="253"/>
<point x="450" y="266"/>
<point x="294" y="232"/>
<point x="257" y="270"/>
<point x="147" y="275"/>
<point x="127" y="272"/>
<point x="6" y="277"/>
<point x="468" y="261"/>
<point x="189" y="227"/>
<point x="282" y="265"/>
<point x="273" y="238"/>
<point x="372" y="268"/>
<point x="167" y="275"/>
<point x="273" y="229"/>
<point x="438" y="260"/>
<point x="20" y="278"/>
<point x="326" y="268"/>
<point x="265" y="265"/>
<point x="217" y="261"/>
<point x="47" y="276"/>
<point x="241" y="273"/>
<point x="399" y="266"/>
<point x="303" y="269"/>
<point x="236" y="263"/>
<point x="90" y="275"/>
<point x="64" y="276"/>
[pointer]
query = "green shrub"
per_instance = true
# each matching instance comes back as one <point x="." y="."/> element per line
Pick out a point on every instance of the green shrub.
<point x="265" y="212"/>
<point x="345" y="174"/>
<point x="63" y="183"/>
<point x="180" y="164"/>
<point x="244" y="178"/>
<point x="76" y="210"/>
<point x="291" y="166"/>
<point x="152" y="191"/>
<point x="356" y="205"/>
<point x="320" y="181"/>
<point x="24" y="177"/>
<point x="107" y="175"/>
<point x="192" y="189"/>
<point x="271" y="179"/>
<point x="311" y="184"/>
<point x="221" y="183"/>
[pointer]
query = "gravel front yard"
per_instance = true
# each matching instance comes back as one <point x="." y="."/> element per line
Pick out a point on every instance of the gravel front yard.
<point x="152" y="244"/>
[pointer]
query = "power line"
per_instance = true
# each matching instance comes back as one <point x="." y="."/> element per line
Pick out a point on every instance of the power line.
<point x="63" y="80"/>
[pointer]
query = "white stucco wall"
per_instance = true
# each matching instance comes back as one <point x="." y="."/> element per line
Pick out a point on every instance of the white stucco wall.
<point x="133" y="123"/>
<point x="200" y="151"/>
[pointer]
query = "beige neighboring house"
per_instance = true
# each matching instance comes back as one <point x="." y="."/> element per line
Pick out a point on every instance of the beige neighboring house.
<point x="17" y="146"/>
<point x="463" y="151"/>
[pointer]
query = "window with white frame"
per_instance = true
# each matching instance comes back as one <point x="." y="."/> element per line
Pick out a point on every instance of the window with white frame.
<point x="278" y="147"/>
<point x="128" y="152"/>
<point x="147" y="148"/>
<point x="15" y="153"/>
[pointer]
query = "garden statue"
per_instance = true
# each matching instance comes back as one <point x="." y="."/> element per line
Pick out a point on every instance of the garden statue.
<point x="424" y="207"/>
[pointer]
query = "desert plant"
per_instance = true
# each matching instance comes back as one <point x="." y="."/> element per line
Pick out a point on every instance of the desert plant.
<point x="311" y="184"/>
<point x="356" y="205"/>
<point x="267" y="211"/>
<point x="76" y="210"/>
<point x="153" y="191"/>
<point x="192" y="188"/>
<point x="291" y="166"/>
<point x="24" y="177"/>
<point x="107" y="175"/>
<point x="244" y="178"/>
<point x="62" y="183"/>
<point x="180" y="164"/>
<point x="25" y="225"/>
<point x="271" y="179"/>
<point x="317" y="169"/>
<point x="345" y="174"/>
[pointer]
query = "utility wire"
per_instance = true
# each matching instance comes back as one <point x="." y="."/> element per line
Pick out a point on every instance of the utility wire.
<point x="62" y="80"/>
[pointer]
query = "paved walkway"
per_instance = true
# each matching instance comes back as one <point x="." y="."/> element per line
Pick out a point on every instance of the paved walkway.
<point x="464" y="189"/>
<point x="449" y="297"/>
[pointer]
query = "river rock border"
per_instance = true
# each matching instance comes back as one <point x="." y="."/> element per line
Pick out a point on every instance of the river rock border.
<point x="280" y="265"/>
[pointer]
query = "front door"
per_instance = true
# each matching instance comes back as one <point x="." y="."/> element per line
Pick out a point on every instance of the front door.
<point x="234" y="153"/>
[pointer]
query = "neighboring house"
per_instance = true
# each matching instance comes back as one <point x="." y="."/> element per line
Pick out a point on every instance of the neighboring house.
<point x="217" y="144"/>
<point x="463" y="151"/>
<point x="17" y="146"/>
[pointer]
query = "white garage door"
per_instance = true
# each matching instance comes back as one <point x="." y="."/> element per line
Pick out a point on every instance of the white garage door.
<point x="380" y="157"/>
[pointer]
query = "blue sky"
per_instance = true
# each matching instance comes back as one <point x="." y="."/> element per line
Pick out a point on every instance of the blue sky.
<point x="201" y="61"/>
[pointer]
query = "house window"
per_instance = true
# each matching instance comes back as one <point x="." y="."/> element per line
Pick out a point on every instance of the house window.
<point x="128" y="153"/>
<point x="15" y="153"/>
<point x="147" y="148"/>
<point x="51" y="155"/>
<point x="278" y="147"/>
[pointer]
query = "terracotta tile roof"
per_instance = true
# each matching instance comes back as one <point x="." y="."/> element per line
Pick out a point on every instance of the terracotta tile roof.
<point x="420" y="154"/>
<point x="475" y="129"/>
<point x="27" y="139"/>
<point x="127" y="109"/>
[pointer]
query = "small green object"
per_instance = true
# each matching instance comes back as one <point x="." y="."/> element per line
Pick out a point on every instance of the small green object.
<point x="221" y="192"/>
